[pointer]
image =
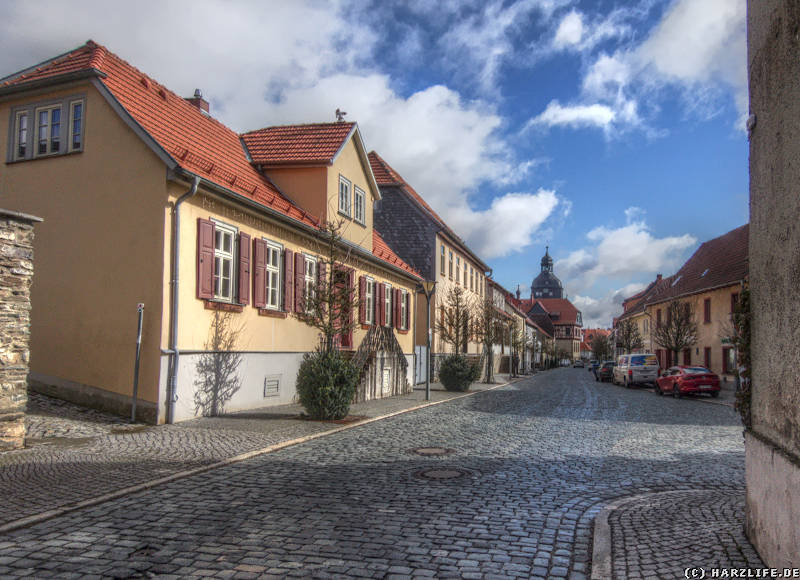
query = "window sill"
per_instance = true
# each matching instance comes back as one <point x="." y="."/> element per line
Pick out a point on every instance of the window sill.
<point x="272" y="313"/>
<point x="402" y="331"/>
<point x="223" y="306"/>
<point x="347" y="215"/>
<point x="366" y="326"/>
<point x="360" y="223"/>
<point x="43" y="157"/>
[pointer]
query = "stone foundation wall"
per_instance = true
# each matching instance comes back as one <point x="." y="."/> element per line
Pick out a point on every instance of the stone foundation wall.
<point x="16" y="274"/>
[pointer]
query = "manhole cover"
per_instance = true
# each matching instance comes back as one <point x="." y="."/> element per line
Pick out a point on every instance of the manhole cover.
<point x="431" y="451"/>
<point x="442" y="473"/>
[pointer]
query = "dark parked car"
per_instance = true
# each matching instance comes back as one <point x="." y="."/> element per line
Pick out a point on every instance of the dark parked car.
<point x="577" y="364"/>
<point x="683" y="380"/>
<point x="605" y="371"/>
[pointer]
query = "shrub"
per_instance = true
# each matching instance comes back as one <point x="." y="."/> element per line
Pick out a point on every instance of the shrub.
<point x="326" y="384"/>
<point x="456" y="372"/>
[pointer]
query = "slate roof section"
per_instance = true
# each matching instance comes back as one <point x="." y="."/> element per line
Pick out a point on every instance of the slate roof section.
<point x="381" y="249"/>
<point x="386" y="176"/>
<point x="195" y="141"/>
<point x="717" y="263"/>
<point x="311" y="144"/>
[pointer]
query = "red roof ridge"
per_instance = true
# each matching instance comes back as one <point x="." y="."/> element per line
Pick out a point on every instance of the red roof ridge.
<point x="302" y="125"/>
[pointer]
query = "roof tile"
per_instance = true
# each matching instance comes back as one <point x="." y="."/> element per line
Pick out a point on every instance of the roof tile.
<point x="297" y="144"/>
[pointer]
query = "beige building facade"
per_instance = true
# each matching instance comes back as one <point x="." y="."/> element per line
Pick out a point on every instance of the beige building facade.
<point x="131" y="181"/>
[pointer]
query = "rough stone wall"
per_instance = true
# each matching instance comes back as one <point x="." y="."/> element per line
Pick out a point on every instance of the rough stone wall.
<point x="16" y="273"/>
<point x="774" y="69"/>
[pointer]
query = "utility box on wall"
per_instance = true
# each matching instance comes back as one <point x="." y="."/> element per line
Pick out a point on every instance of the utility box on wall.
<point x="16" y="275"/>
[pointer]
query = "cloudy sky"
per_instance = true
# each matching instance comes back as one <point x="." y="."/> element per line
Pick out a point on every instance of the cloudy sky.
<point x="612" y="131"/>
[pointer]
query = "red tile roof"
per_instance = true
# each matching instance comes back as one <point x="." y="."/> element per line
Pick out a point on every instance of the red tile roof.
<point x="316" y="143"/>
<point x="195" y="141"/>
<point x="384" y="252"/>
<point x="720" y="262"/>
<point x="567" y="313"/>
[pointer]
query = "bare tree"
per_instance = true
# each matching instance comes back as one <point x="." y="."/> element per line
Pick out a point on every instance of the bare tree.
<point x="628" y="336"/>
<point x="487" y="333"/>
<point x="601" y="347"/>
<point x="457" y="313"/>
<point x="680" y="330"/>
<point x="217" y="380"/>
<point x="330" y="304"/>
<point x="519" y="342"/>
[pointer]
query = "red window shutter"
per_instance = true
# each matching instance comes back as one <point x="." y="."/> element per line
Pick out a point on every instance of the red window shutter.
<point x="707" y="310"/>
<point x="380" y="307"/>
<point x="299" y="274"/>
<point x="322" y="276"/>
<point x="687" y="356"/>
<point x="244" y="268"/>
<point x="362" y="300"/>
<point x="259" y="273"/>
<point x="205" y="259"/>
<point x="707" y="357"/>
<point x="347" y="340"/>
<point x="288" y="280"/>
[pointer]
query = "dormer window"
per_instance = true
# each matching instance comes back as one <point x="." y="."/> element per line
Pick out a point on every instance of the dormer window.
<point x="344" y="196"/>
<point x="46" y="129"/>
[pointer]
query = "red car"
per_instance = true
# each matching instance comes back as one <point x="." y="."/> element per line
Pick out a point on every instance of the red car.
<point x="683" y="380"/>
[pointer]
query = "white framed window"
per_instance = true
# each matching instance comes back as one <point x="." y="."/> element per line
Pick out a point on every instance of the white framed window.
<point x="344" y="196"/>
<point x="387" y="304"/>
<point x="310" y="281"/>
<point x="21" y="135"/>
<point x="465" y="274"/>
<point x="458" y="270"/>
<point x="274" y="252"/>
<point x="224" y="260"/>
<point x="450" y="265"/>
<point x="369" y="302"/>
<point x="442" y="265"/>
<point x="403" y="310"/>
<point x="76" y="125"/>
<point x="358" y="205"/>
<point x="471" y="279"/>
<point x="48" y="130"/>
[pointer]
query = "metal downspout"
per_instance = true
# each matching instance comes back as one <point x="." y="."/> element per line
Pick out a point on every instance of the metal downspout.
<point x="172" y="380"/>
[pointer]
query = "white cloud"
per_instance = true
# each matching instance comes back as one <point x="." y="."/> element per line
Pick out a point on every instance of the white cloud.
<point x="570" y="30"/>
<point x="575" y="116"/>
<point x="508" y="225"/>
<point x="698" y="48"/>
<point x="600" y="312"/>
<point x="626" y="252"/>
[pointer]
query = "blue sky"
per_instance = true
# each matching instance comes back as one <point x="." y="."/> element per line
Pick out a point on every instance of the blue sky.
<point x="612" y="131"/>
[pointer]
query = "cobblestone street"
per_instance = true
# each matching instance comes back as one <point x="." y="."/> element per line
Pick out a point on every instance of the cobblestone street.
<point x="536" y="462"/>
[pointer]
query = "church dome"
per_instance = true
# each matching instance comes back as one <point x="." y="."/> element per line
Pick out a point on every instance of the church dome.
<point x="546" y="284"/>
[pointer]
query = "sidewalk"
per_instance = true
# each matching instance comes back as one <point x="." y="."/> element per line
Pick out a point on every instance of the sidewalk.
<point x="78" y="457"/>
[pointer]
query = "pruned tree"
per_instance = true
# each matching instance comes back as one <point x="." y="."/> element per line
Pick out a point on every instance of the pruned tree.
<point x="330" y="303"/>
<point x="628" y="336"/>
<point x="519" y="342"/>
<point x="679" y="332"/>
<point x="456" y="319"/>
<point x="217" y="379"/>
<point x="602" y="347"/>
<point x="487" y="331"/>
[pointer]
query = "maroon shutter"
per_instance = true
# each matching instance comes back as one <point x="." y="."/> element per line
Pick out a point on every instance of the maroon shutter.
<point x="205" y="259"/>
<point x="244" y="268"/>
<point x="322" y="282"/>
<point x="362" y="300"/>
<point x="299" y="273"/>
<point x="259" y="273"/>
<point x="288" y="280"/>
<point x="380" y="304"/>
<point x="396" y="308"/>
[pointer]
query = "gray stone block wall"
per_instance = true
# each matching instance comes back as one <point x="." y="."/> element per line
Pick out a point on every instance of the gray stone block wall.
<point x="16" y="275"/>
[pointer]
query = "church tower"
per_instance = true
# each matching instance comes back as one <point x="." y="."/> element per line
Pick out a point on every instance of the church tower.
<point x="546" y="285"/>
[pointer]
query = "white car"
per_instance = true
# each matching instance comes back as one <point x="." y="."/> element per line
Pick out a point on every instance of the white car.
<point x="636" y="369"/>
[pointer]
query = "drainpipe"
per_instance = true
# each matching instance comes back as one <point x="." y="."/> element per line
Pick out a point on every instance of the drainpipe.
<point x="172" y="380"/>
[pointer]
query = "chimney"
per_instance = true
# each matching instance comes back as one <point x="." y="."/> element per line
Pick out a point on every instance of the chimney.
<point x="198" y="101"/>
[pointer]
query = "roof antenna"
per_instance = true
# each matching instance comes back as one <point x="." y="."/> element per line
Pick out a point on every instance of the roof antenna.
<point x="340" y="115"/>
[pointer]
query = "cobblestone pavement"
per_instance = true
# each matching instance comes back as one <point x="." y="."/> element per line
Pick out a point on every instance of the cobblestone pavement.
<point x="660" y="535"/>
<point x="77" y="454"/>
<point x="538" y="460"/>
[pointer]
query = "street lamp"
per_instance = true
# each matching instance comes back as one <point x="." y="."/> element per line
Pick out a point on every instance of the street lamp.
<point x="428" y="287"/>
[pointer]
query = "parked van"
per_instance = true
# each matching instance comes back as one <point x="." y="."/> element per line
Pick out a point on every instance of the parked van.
<point x="636" y="369"/>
